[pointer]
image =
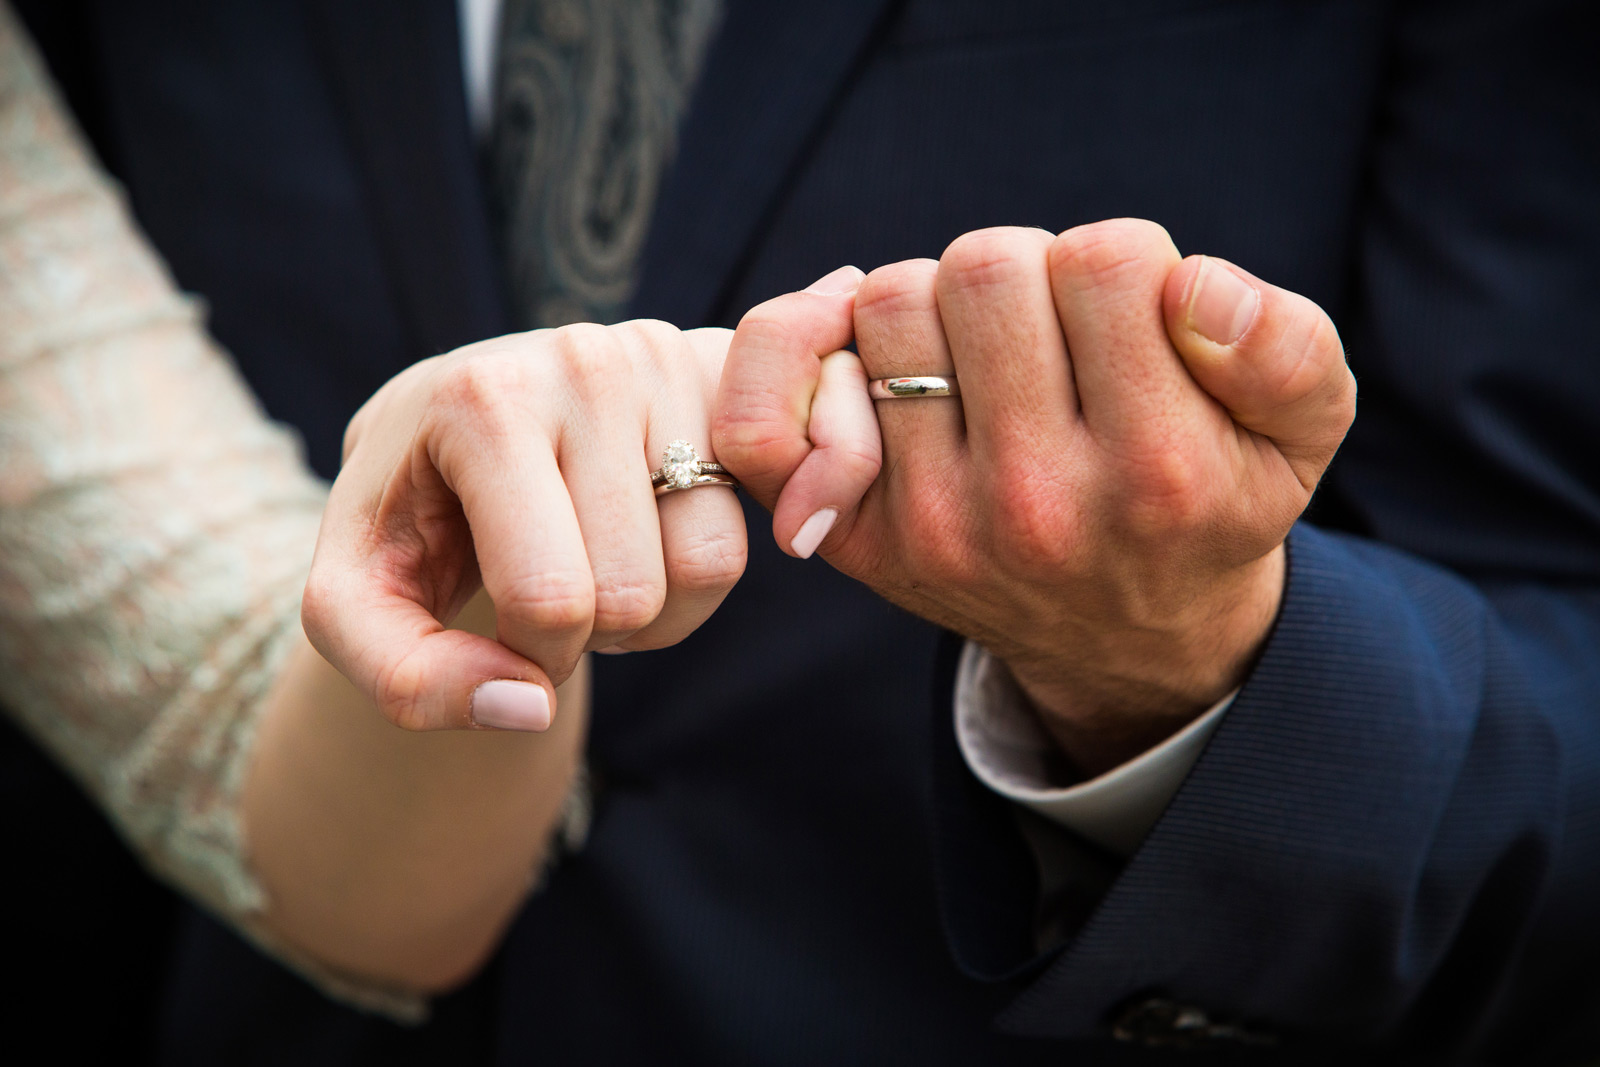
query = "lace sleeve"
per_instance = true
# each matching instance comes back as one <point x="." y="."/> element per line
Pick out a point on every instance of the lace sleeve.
<point x="155" y="527"/>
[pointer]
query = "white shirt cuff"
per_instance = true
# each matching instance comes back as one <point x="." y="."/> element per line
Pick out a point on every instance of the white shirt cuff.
<point x="1007" y="747"/>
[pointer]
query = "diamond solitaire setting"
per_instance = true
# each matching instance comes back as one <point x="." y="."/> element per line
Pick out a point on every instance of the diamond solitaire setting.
<point x="681" y="464"/>
<point x="682" y="468"/>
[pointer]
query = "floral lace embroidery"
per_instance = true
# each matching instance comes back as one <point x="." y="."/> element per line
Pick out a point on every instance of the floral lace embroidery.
<point x="155" y="527"/>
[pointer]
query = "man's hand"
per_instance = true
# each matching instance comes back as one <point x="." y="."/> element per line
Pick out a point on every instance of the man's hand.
<point x="1104" y="507"/>
<point x="521" y="463"/>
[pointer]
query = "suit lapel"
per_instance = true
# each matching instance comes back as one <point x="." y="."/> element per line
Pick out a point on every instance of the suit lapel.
<point x="394" y="69"/>
<point x="771" y="74"/>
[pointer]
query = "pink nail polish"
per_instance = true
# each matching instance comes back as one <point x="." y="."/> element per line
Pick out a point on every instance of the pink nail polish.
<point x="843" y="280"/>
<point x="1223" y="304"/>
<point x="812" y="531"/>
<point x="508" y="705"/>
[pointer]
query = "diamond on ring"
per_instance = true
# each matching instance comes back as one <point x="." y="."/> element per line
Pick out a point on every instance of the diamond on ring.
<point x="681" y="464"/>
<point x="682" y="468"/>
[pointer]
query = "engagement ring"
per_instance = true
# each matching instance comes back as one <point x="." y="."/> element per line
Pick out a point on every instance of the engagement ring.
<point x="682" y="468"/>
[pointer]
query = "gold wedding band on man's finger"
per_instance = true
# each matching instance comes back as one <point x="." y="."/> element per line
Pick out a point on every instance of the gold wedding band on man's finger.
<point x="906" y="388"/>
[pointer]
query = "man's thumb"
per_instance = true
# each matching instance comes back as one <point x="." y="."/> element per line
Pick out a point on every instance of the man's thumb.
<point x="1271" y="357"/>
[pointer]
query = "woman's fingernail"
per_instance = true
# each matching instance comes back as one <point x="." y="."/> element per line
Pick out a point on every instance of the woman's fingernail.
<point x="843" y="280"/>
<point x="508" y="705"/>
<point x="812" y="531"/>
<point x="1223" y="304"/>
<point x="613" y="650"/>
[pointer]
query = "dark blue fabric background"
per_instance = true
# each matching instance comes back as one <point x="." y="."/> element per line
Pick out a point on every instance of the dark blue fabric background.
<point x="1391" y="842"/>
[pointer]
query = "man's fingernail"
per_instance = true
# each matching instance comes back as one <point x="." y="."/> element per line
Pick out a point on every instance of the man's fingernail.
<point x="508" y="705"/>
<point x="843" y="280"/>
<point x="812" y="531"/>
<point x="1223" y="304"/>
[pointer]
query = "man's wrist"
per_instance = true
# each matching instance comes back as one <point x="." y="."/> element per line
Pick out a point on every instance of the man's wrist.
<point x="1005" y="745"/>
<point x="1134" y="690"/>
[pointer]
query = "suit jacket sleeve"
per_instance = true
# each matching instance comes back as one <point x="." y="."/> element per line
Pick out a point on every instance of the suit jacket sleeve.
<point x="1393" y="835"/>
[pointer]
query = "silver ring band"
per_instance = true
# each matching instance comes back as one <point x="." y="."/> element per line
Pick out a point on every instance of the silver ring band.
<point x="700" y="479"/>
<point x="658" y="478"/>
<point x="682" y="468"/>
<point x="905" y="388"/>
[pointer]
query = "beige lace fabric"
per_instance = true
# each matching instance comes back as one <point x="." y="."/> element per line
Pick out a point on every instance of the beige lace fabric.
<point x="155" y="527"/>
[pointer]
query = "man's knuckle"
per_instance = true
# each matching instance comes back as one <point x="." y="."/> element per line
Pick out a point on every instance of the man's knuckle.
<point x="774" y="325"/>
<point x="1032" y="521"/>
<point x="898" y="289"/>
<point x="935" y="536"/>
<point x="1105" y="253"/>
<point x="1308" y="356"/>
<point x="1167" y="493"/>
<point x="986" y="259"/>
<point x="753" y="441"/>
<point x="730" y="442"/>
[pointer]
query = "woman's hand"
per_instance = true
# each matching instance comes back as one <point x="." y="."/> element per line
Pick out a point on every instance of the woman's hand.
<point x="522" y="463"/>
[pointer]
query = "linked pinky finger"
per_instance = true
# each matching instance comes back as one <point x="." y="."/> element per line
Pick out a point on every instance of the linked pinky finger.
<point x="824" y="494"/>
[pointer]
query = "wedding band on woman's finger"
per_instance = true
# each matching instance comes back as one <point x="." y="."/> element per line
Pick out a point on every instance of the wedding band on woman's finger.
<point x="905" y="388"/>
<point x="682" y="468"/>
